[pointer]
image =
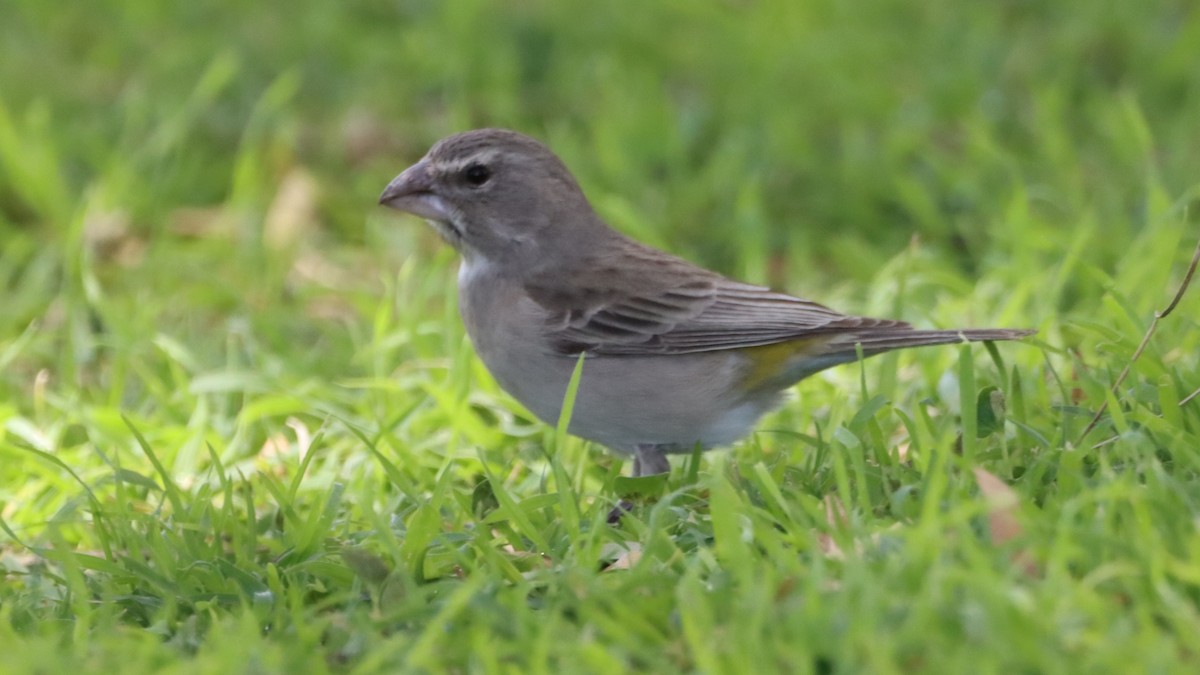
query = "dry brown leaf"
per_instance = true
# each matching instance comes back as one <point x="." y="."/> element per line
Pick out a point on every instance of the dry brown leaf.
<point x="201" y="222"/>
<point x="332" y="307"/>
<point x="365" y="136"/>
<point x="275" y="445"/>
<point x="313" y="267"/>
<point x="108" y="235"/>
<point x="1003" y="525"/>
<point x="1002" y="503"/>
<point x="829" y="547"/>
<point x="835" y="512"/>
<point x="521" y="555"/>
<point x="835" y="515"/>
<point x="103" y="230"/>
<point x="627" y="559"/>
<point x="303" y="436"/>
<point x="293" y="213"/>
<point x="785" y="588"/>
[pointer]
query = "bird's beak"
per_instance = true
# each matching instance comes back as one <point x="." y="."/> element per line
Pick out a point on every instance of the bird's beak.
<point x="412" y="192"/>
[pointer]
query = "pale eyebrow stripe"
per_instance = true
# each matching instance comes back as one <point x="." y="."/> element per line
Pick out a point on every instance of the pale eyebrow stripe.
<point x="454" y="166"/>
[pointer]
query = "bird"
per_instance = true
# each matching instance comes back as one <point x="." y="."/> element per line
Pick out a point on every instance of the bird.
<point x="675" y="356"/>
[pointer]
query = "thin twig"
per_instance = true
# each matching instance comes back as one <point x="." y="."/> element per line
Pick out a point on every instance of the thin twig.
<point x="1187" y="399"/>
<point x="1187" y="279"/>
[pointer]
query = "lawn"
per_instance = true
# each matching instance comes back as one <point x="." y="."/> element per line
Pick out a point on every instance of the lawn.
<point x="242" y="430"/>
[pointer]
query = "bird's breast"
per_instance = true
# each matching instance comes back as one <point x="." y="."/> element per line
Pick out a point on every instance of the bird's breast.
<point x="505" y="327"/>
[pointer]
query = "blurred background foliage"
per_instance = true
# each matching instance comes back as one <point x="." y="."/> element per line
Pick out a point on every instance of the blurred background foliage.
<point x="793" y="142"/>
<point x="189" y="236"/>
<point x="205" y="175"/>
<point x="808" y="126"/>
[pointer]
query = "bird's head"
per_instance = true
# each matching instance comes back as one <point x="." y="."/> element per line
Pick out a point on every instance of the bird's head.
<point x="494" y="194"/>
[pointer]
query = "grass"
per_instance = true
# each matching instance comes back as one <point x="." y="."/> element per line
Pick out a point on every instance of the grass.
<point x="241" y="429"/>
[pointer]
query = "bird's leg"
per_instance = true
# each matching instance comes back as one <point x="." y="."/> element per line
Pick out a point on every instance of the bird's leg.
<point x="649" y="459"/>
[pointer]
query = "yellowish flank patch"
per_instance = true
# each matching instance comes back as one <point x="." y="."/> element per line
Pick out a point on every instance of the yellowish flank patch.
<point x="768" y="361"/>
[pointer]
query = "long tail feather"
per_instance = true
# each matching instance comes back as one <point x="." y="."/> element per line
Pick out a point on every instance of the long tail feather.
<point x="780" y="366"/>
<point x="885" y="339"/>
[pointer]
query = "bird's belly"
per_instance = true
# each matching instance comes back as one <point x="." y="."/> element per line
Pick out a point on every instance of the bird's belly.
<point x="622" y="402"/>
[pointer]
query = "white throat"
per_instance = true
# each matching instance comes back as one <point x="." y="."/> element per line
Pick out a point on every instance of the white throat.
<point x="474" y="268"/>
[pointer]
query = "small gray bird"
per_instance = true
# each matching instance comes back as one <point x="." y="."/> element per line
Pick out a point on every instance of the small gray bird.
<point x="676" y="355"/>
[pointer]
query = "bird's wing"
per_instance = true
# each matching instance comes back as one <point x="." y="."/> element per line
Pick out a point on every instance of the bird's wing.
<point x="643" y="302"/>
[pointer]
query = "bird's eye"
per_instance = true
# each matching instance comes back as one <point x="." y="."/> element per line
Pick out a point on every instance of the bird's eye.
<point x="476" y="175"/>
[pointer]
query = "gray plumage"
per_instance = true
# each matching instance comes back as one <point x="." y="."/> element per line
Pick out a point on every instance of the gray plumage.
<point x="674" y="351"/>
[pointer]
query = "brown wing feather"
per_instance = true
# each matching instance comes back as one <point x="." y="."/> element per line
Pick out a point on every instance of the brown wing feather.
<point x="641" y="301"/>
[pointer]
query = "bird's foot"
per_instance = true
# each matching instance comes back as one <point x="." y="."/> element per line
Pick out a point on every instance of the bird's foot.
<point x="624" y="506"/>
<point x="648" y="460"/>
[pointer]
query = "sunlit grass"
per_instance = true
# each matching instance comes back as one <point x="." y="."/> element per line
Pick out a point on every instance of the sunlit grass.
<point x="241" y="429"/>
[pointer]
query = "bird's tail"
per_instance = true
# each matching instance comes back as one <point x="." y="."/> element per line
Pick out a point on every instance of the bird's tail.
<point x="781" y="365"/>
<point x="877" y="340"/>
